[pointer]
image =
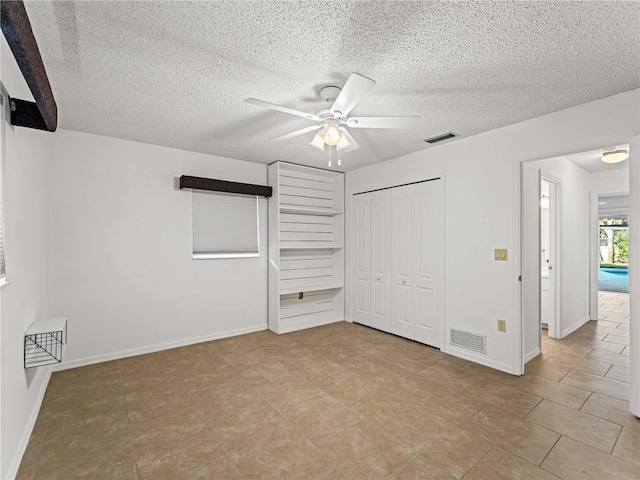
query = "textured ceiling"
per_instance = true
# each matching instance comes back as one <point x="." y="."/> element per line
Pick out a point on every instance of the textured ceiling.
<point x="176" y="73"/>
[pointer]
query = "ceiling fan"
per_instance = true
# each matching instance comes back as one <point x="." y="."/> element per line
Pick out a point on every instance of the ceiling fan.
<point x="331" y="123"/>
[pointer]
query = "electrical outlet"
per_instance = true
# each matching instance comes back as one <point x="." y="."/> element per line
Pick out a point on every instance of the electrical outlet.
<point x="500" y="254"/>
<point x="502" y="325"/>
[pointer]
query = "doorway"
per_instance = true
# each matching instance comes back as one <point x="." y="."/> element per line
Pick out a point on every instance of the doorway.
<point x="549" y="254"/>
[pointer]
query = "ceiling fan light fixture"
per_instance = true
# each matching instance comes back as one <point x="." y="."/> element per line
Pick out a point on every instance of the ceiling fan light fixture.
<point x="332" y="135"/>
<point x="615" y="156"/>
<point x="342" y="142"/>
<point x="318" y="141"/>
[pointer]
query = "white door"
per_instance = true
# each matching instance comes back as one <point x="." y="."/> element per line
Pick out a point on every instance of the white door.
<point x="402" y="262"/>
<point x="380" y="249"/>
<point x="428" y="264"/>
<point x="362" y="231"/>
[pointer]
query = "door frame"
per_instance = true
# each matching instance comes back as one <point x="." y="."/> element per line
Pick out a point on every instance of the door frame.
<point x="555" y="227"/>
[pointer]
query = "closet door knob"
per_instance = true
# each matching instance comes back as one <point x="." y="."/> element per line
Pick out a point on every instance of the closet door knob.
<point x="404" y="282"/>
<point x="377" y="279"/>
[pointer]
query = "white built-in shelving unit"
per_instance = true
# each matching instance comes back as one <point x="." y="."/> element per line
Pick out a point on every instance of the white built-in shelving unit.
<point x="306" y="247"/>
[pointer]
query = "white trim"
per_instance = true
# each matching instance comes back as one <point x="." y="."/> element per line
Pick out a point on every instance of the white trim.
<point x="482" y="360"/>
<point x="532" y="354"/>
<point x="26" y="435"/>
<point x="305" y="324"/>
<point x="81" y="362"/>
<point x="572" y="328"/>
<point x="211" y="256"/>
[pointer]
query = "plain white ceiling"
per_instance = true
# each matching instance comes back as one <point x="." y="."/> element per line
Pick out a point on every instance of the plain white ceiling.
<point x="176" y="73"/>
<point x="592" y="161"/>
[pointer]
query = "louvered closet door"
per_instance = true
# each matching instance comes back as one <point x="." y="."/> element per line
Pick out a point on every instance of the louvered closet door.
<point x="428" y="264"/>
<point x="402" y="263"/>
<point x="380" y="263"/>
<point x="362" y="231"/>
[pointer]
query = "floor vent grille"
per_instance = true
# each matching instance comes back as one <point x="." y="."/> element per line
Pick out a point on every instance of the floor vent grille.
<point x="470" y="341"/>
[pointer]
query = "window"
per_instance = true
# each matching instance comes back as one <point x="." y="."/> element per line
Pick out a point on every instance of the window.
<point x="3" y="270"/>
<point x="225" y="225"/>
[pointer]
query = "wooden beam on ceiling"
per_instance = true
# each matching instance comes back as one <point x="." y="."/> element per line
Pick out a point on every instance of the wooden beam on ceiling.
<point x="16" y="28"/>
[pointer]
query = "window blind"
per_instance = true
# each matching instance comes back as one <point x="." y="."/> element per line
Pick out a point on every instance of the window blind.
<point x="224" y="225"/>
<point x="3" y="270"/>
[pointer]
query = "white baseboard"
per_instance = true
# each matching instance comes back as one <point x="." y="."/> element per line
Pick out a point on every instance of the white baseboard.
<point x="472" y="357"/>
<point x="304" y="324"/>
<point x="532" y="354"/>
<point x="28" y="429"/>
<point x="575" y="326"/>
<point x="82" y="362"/>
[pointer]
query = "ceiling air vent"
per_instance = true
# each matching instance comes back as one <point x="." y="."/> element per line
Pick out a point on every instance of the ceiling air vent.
<point x="440" y="138"/>
<point x="470" y="341"/>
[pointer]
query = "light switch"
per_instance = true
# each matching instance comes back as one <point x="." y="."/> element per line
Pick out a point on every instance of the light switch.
<point x="502" y="325"/>
<point x="500" y="254"/>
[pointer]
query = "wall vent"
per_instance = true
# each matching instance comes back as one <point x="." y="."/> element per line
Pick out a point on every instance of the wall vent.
<point x="470" y="341"/>
<point x="440" y="138"/>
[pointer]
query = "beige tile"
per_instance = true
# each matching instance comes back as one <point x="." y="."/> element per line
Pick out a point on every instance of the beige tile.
<point x="259" y="373"/>
<point x="584" y="364"/>
<point x="616" y="411"/>
<point x="443" y="444"/>
<point x="608" y="323"/>
<point x="512" y="433"/>
<point x="348" y="387"/>
<point x="555" y="391"/>
<point x="610" y="357"/>
<point x="573" y="460"/>
<point x="454" y="407"/>
<point x="387" y="410"/>
<point x="288" y="391"/>
<point x="500" y="464"/>
<point x="618" y="373"/>
<point x="421" y="469"/>
<point x="201" y="461"/>
<point x="321" y="416"/>
<point x="547" y="370"/>
<point x="450" y="376"/>
<point x="365" y="451"/>
<point x="506" y="398"/>
<point x="595" y="383"/>
<point x="158" y="436"/>
<point x="580" y="426"/>
<point x="628" y="446"/>
<point x="288" y="455"/>
<point x="400" y="380"/>
<point x="105" y="464"/>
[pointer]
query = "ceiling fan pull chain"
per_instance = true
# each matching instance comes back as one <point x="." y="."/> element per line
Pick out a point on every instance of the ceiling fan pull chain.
<point x="329" y="156"/>
<point x="339" y="161"/>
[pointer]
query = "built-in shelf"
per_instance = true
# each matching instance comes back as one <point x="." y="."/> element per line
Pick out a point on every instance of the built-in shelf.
<point x="312" y="247"/>
<point x="306" y="254"/>
<point x="44" y="342"/>
<point x="313" y="288"/>
<point x="310" y="211"/>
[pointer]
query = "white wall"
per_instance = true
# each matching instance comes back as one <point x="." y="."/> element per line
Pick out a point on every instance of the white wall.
<point x="634" y="273"/>
<point x="610" y="181"/>
<point x="122" y="245"/>
<point x="573" y="271"/>
<point x="24" y="299"/>
<point x="482" y="209"/>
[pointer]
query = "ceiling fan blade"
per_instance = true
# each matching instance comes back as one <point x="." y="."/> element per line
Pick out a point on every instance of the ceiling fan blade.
<point x="356" y="87"/>
<point x="382" y="122"/>
<point x="354" y="145"/>
<point x="280" y="108"/>
<point x="296" y="133"/>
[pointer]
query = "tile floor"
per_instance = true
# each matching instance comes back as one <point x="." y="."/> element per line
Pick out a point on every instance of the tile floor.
<point x="344" y="401"/>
